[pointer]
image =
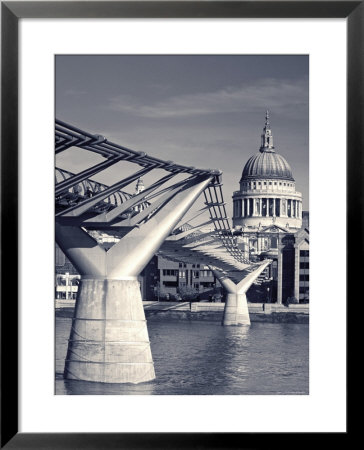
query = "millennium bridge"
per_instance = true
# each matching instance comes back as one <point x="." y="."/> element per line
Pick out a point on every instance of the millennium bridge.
<point x="109" y="340"/>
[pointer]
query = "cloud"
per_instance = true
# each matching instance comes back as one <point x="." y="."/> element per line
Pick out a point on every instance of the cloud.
<point x="282" y="96"/>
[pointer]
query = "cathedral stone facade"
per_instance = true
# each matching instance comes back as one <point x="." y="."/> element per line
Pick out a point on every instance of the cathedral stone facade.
<point x="267" y="221"/>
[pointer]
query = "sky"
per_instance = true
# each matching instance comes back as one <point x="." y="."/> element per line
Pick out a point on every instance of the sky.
<point x="206" y="111"/>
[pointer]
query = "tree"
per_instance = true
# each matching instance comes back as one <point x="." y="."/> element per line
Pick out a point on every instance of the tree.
<point x="187" y="293"/>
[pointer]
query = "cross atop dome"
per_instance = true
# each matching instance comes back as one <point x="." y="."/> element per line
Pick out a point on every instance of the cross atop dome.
<point x="267" y="136"/>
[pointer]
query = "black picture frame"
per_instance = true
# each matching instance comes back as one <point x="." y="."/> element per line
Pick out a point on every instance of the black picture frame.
<point x="11" y="12"/>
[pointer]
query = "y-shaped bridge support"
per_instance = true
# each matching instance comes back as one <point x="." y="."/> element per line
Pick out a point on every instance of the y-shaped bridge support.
<point x="109" y="340"/>
<point x="236" y="310"/>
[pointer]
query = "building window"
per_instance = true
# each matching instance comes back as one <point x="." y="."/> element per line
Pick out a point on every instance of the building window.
<point x="196" y="286"/>
<point x="196" y="274"/>
<point x="182" y="274"/>
<point x="170" y="283"/>
<point x="278" y="207"/>
<point x="264" y="207"/>
<point x="250" y="206"/>
<point x="274" y="269"/>
<point x="169" y="272"/>
<point x="206" y="273"/>
<point x="304" y="277"/>
<point x="257" y="206"/>
<point x="273" y="242"/>
<point x="304" y="252"/>
<point x="304" y="265"/>
<point x="238" y="208"/>
<point x="207" y="284"/>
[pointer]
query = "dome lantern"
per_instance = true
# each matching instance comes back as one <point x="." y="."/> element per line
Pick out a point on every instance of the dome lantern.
<point x="267" y="163"/>
<point x="267" y="136"/>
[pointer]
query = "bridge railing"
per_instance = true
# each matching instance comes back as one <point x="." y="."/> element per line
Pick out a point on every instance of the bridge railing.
<point x="67" y="136"/>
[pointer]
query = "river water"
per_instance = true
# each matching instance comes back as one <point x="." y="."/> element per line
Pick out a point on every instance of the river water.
<point x="205" y="358"/>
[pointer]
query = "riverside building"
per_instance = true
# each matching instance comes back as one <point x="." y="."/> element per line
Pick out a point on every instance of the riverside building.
<point x="177" y="280"/>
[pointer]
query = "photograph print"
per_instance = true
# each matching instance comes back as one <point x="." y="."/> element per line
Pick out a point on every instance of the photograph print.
<point x="181" y="225"/>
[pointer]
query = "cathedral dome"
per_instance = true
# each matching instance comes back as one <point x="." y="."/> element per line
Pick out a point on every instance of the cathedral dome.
<point x="267" y="163"/>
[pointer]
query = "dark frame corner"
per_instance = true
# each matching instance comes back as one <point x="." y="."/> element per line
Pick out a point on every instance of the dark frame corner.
<point x="11" y="12"/>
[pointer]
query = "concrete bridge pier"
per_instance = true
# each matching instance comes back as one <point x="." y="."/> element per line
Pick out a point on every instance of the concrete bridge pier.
<point x="109" y="340"/>
<point x="236" y="310"/>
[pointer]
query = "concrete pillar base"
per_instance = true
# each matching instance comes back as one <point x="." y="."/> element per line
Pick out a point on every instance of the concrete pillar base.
<point x="236" y="310"/>
<point x="109" y="340"/>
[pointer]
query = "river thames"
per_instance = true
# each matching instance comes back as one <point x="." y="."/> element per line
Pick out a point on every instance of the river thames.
<point x="204" y="358"/>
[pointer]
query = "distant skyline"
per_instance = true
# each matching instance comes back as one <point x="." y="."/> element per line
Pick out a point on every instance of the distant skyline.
<point x="205" y="111"/>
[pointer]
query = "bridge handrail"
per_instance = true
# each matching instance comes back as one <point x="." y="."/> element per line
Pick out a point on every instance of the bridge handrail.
<point x="68" y="136"/>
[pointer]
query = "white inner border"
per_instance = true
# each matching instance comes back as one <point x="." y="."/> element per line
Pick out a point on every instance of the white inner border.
<point x="324" y="410"/>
